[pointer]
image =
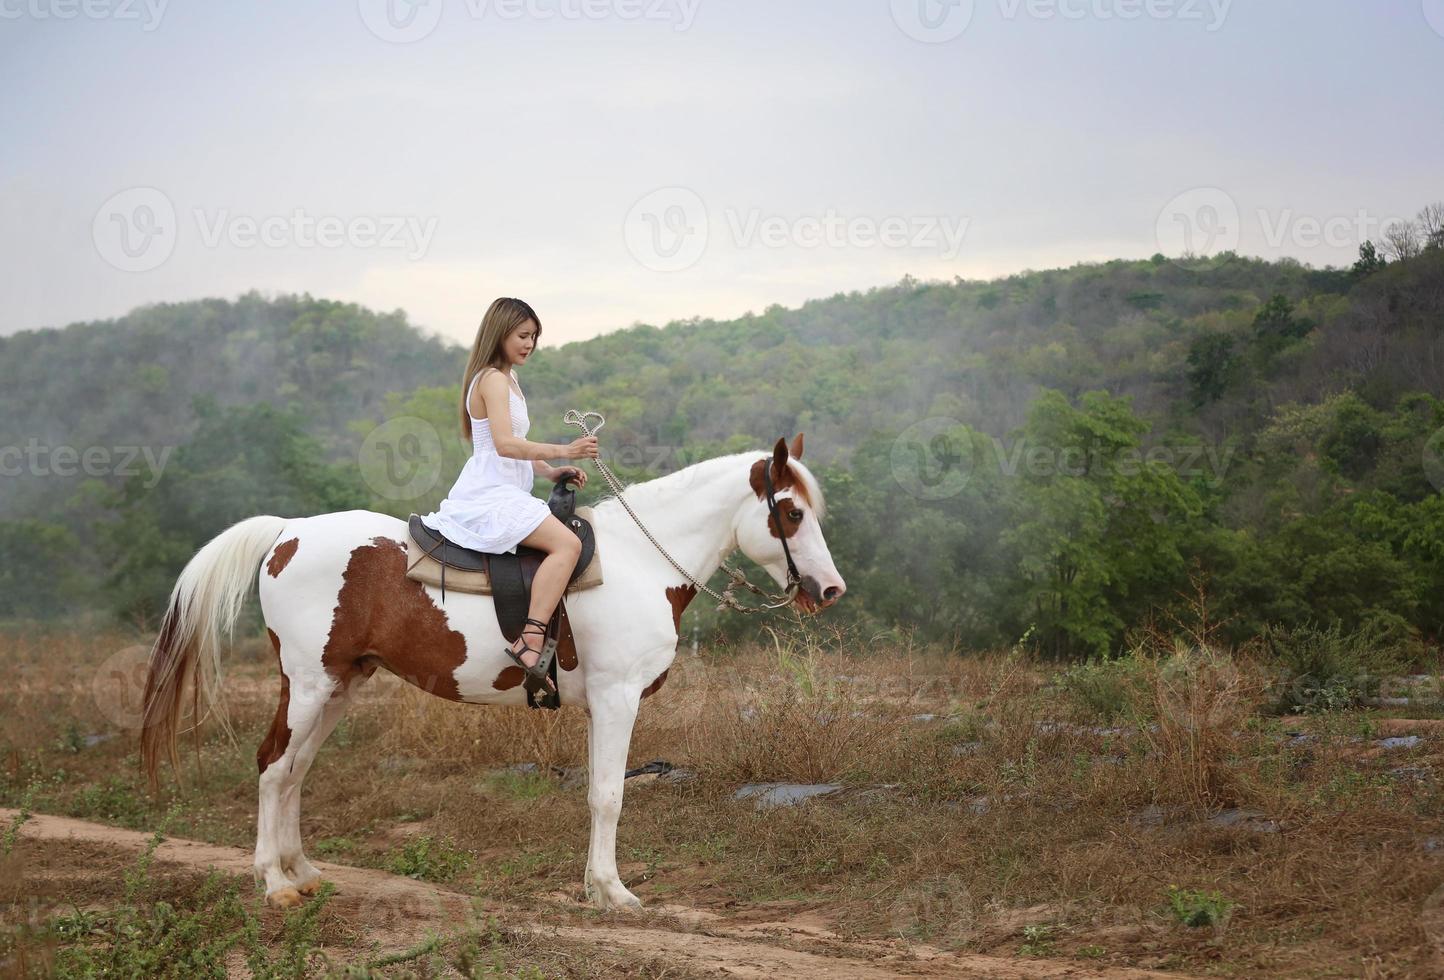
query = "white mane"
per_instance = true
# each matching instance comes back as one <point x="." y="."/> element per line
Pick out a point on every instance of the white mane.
<point x="652" y="491"/>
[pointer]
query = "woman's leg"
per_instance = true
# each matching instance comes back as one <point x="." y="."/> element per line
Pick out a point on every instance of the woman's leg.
<point x="563" y="548"/>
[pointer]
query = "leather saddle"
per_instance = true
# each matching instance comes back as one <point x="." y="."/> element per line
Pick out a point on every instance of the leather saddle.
<point x="507" y="578"/>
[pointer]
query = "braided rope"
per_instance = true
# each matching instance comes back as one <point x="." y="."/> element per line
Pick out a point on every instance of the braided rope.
<point x="725" y="597"/>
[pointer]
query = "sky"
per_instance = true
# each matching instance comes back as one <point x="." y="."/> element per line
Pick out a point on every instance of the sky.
<point x="624" y="161"/>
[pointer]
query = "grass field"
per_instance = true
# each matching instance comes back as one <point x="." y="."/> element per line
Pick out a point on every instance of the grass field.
<point x="1174" y="810"/>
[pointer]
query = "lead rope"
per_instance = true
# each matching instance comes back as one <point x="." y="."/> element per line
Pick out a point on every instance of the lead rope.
<point x="725" y="597"/>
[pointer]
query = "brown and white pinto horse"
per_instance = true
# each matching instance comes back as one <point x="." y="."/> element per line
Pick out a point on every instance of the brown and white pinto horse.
<point x="337" y="605"/>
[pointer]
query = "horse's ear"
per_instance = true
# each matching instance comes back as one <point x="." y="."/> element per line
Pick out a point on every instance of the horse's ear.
<point x="797" y="447"/>
<point x="779" y="460"/>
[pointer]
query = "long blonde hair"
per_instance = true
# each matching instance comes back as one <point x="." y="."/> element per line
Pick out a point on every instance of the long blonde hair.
<point x="502" y="317"/>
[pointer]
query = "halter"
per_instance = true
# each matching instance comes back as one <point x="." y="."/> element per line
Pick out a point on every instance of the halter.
<point x="725" y="597"/>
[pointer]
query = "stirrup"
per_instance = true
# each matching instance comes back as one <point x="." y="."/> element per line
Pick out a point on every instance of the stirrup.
<point x="537" y="672"/>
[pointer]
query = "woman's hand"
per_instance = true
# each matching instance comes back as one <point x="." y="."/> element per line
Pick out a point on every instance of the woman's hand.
<point x="574" y="472"/>
<point x="583" y="448"/>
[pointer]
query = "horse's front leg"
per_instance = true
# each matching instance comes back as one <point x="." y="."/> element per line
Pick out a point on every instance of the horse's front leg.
<point x="613" y="710"/>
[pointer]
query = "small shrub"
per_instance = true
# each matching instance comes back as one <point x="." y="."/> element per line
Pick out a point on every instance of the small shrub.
<point x="1107" y="689"/>
<point x="1197" y="909"/>
<point x="429" y="858"/>
<point x="1329" y="669"/>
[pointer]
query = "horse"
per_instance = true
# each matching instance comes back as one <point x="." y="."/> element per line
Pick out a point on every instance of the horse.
<point x="337" y="606"/>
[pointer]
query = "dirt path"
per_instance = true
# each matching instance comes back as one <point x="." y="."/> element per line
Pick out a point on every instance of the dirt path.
<point x="397" y="912"/>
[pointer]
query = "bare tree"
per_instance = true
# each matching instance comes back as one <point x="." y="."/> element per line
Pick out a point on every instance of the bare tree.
<point x="1431" y="224"/>
<point x="1402" y="240"/>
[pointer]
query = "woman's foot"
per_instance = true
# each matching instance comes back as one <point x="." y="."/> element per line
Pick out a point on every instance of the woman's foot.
<point x="529" y="657"/>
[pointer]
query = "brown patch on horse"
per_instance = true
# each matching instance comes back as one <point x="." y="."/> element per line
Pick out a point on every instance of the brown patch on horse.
<point x="656" y="685"/>
<point x="783" y="476"/>
<point x="382" y="613"/>
<point x="282" y="556"/>
<point x="509" y="678"/>
<point x="785" y="506"/>
<point x="274" y="745"/>
<point x="679" y="596"/>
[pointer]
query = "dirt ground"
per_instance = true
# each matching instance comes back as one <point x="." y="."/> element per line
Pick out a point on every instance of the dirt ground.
<point x="389" y="913"/>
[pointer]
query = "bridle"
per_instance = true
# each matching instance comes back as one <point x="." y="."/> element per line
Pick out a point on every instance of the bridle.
<point x="725" y="597"/>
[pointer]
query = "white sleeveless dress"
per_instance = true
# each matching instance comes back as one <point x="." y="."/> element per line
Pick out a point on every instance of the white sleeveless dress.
<point x="490" y="507"/>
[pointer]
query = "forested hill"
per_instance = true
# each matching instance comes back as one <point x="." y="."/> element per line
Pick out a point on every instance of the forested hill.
<point x="1311" y="397"/>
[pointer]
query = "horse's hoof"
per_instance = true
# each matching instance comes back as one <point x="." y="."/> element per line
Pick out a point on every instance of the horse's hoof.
<point x="310" y="888"/>
<point x="284" y="898"/>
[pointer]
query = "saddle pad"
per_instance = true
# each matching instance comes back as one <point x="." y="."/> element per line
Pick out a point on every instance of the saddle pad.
<point x="423" y="568"/>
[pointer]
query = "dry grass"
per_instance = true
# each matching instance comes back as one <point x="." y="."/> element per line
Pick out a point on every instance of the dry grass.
<point x="989" y="804"/>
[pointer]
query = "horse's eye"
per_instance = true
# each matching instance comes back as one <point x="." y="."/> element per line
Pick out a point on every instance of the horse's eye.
<point x="796" y="515"/>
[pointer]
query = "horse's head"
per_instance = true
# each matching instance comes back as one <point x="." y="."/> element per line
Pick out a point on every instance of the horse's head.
<point x="799" y="511"/>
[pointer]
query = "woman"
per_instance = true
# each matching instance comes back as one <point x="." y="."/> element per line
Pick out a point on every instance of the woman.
<point x="491" y="508"/>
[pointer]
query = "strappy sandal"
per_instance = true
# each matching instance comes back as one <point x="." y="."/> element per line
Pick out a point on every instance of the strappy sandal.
<point x="537" y="671"/>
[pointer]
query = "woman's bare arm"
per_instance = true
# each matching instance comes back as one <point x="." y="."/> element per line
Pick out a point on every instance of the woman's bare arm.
<point x="491" y="398"/>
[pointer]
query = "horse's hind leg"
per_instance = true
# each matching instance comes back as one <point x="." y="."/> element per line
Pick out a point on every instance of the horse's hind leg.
<point x="299" y="719"/>
<point x="293" y="859"/>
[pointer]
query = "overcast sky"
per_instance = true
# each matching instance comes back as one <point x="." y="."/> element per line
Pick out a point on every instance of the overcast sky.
<point x="616" y="161"/>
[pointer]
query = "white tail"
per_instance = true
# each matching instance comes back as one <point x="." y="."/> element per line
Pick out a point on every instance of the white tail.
<point x="204" y="604"/>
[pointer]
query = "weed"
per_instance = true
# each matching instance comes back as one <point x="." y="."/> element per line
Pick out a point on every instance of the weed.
<point x="1197" y="909"/>
<point x="429" y="858"/>
<point x="1037" y="941"/>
